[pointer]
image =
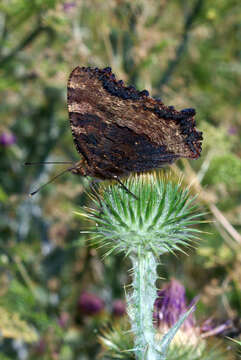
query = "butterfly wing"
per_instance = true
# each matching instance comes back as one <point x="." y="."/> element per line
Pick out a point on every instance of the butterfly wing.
<point x="119" y="129"/>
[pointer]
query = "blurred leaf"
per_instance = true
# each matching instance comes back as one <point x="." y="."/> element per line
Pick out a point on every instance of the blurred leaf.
<point x="224" y="169"/>
<point x="11" y="326"/>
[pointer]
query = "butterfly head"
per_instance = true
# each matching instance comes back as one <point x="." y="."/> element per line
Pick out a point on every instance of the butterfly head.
<point x="80" y="168"/>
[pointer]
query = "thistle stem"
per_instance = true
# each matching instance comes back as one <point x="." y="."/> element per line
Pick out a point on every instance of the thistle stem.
<point x="141" y="302"/>
<point x="158" y="221"/>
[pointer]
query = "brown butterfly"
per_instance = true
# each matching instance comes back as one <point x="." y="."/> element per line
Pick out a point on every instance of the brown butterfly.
<point x="119" y="130"/>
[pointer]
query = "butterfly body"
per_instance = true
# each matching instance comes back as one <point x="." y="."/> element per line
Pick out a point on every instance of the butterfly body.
<point x="119" y="130"/>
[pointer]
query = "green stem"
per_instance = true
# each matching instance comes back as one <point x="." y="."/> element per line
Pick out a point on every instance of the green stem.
<point x="24" y="43"/>
<point x="140" y="305"/>
<point x="25" y="275"/>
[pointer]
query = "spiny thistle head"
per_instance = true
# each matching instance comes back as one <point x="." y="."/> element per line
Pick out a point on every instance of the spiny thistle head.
<point x="159" y="219"/>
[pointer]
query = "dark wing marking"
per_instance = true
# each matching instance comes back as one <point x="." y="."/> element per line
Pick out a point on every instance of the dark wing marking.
<point x="113" y="150"/>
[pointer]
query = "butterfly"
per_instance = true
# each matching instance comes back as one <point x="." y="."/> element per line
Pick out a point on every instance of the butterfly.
<point x="118" y="130"/>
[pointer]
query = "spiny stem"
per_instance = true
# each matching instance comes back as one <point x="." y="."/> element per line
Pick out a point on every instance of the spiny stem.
<point x="141" y="304"/>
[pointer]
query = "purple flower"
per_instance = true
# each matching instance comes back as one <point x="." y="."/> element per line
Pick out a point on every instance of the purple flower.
<point x="171" y="304"/>
<point x="118" y="308"/>
<point x="90" y="304"/>
<point x="232" y="130"/>
<point x="7" y="139"/>
<point x="69" y="5"/>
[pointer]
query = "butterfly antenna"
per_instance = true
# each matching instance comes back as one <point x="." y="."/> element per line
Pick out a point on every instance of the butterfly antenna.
<point x="51" y="180"/>
<point x="48" y="162"/>
<point x="125" y="188"/>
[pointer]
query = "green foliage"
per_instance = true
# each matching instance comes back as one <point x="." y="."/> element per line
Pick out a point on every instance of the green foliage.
<point x="225" y="169"/>
<point x="115" y="342"/>
<point x="221" y="139"/>
<point x="191" y="58"/>
<point x="25" y="298"/>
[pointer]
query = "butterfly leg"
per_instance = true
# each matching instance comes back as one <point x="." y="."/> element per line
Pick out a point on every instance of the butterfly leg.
<point x="125" y="188"/>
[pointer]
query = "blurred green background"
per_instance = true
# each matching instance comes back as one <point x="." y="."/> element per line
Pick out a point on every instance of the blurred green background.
<point x="188" y="53"/>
